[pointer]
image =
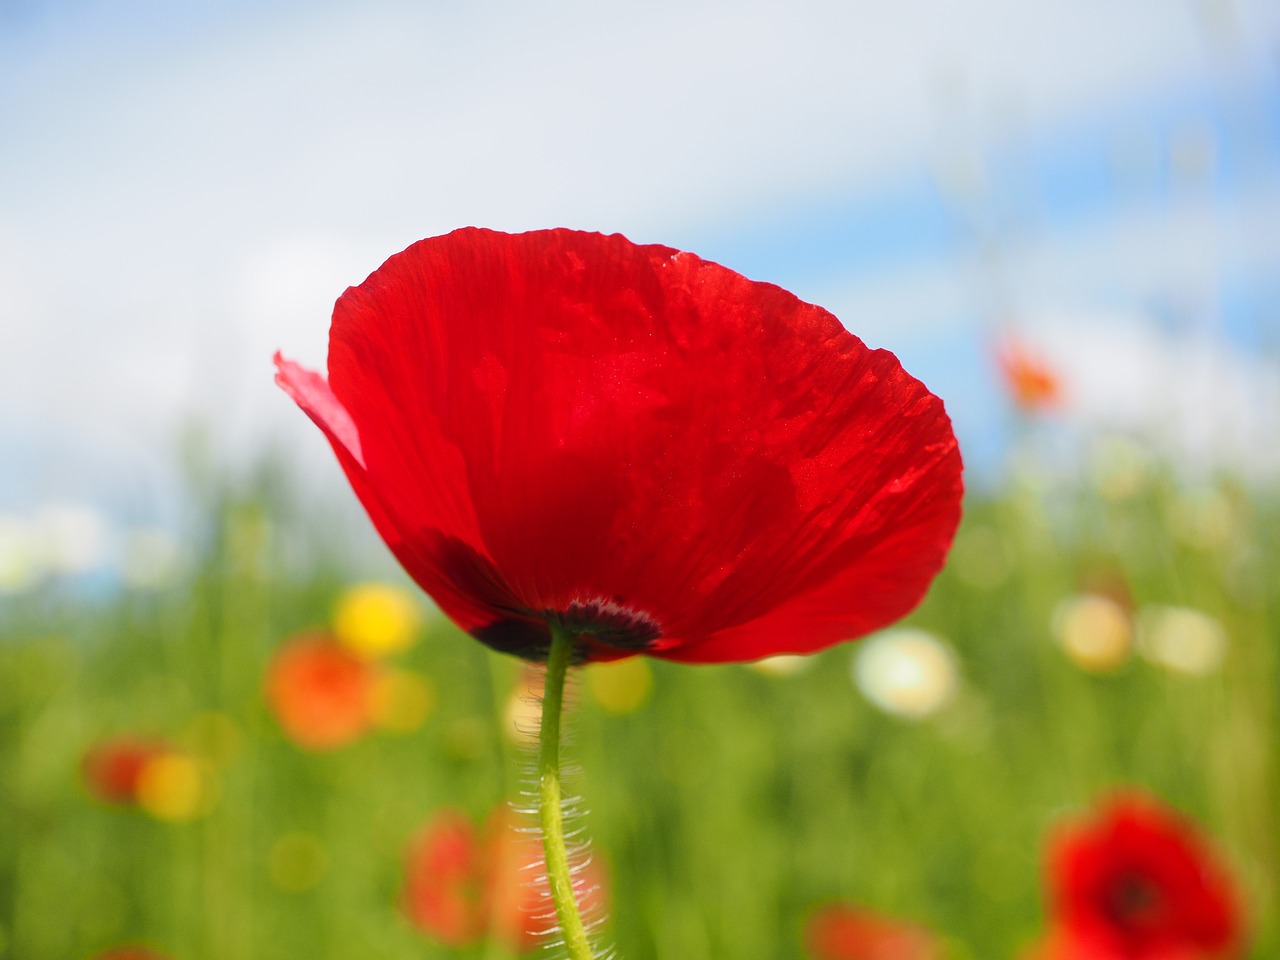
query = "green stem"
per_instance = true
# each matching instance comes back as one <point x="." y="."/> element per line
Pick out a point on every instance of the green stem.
<point x="550" y="812"/>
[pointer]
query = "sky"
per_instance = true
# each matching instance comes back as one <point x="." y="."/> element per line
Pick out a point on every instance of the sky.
<point x="185" y="188"/>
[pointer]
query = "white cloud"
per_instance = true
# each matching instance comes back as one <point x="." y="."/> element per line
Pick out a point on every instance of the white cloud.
<point x="173" y="215"/>
<point x="1192" y="397"/>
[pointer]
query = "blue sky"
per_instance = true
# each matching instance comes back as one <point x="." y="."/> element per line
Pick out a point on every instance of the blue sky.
<point x="186" y="187"/>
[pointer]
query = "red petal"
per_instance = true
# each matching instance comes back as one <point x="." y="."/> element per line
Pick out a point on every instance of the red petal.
<point x="311" y="392"/>
<point x="458" y="579"/>
<point x="559" y="420"/>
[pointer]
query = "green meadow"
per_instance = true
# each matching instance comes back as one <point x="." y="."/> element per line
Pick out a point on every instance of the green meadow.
<point x="726" y="802"/>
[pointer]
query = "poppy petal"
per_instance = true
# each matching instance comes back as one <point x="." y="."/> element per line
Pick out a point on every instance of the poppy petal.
<point x="647" y="447"/>
<point x="311" y="392"/>
<point x="463" y="583"/>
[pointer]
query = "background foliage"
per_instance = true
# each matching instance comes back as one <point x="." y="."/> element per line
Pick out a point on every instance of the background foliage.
<point x="727" y="805"/>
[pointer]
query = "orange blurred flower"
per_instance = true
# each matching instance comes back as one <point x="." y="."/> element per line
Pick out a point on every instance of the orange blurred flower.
<point x="841" y="931"/>
<point x="463" y="884"/>
<point x="113" y="768"/>
<point x="321" y="693"/>
<point x="130" y="953"/>
<point x="1032" y="382"/>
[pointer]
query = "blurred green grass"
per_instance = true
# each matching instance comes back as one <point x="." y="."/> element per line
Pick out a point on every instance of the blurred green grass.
<point x="727" y="807"/>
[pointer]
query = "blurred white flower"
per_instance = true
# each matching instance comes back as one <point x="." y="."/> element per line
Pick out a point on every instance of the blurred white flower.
<point x="73" y="537"/>
<point x="906" y="671"/>
<point x="1190" y="399"/>
<point x="152" y="560"/>
<point x="21" y="559"/>
<point x="1181" y="639"/>
<point x="1094" y="631"/>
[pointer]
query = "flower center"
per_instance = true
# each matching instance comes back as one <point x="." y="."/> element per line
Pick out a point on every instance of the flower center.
<point x="594" y="623"/>
<point x="607" y="622"/>
<point x="1134" y="901"/>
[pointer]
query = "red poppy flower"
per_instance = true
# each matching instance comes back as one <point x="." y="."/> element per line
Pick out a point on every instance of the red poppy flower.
<point x="113" y="768"/>
<point x="846" y="932"/>
<point x="321" y="693"/>
<point x="1138" y="883"/>
<point x="463" y="885"/>
<point x="640" y="446"/>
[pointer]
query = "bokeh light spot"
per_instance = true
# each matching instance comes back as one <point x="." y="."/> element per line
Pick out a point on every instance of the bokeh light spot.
<point x="907" y="672"/>
<point x="1094" y="632"/>
<point x="620" y="686"/>
<point x="401" y="700"/>
<point x="1181" y="639"/>
<point x="375" y="620"/>
<point x="174" y="787"/>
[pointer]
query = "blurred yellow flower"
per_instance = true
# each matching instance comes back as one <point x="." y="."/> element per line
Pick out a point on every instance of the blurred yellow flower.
<point x="377" y="619"/>
<point x="174" y="787"/>
<point x="401" y="700"/>
<point x="906" y="671"/>
<point x="1094" y="631"/>
<point x="297" y="862"/>
<point x="620" y="686"/>
<point x="1181" y="639"/>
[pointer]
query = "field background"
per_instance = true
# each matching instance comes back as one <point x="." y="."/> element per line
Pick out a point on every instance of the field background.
<point x="185" y="189"/>
<point x="727" y="805"/>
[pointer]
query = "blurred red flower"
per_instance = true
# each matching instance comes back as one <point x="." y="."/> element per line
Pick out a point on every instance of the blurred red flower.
<point x="643" y="447"/>
<point x="320" y="692"/>
<point x="842" y="931"/>
<point x="113" y="768"/>
<point x="1031" y="381"/>
<point x="1137" y="882"/>
<point x="518" y="897"/>
<point x="464" y="885"/>
<point x="444" y="881"/>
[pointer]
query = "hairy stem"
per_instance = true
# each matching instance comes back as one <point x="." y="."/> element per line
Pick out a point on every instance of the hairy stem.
<point x="550" y="811"/>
